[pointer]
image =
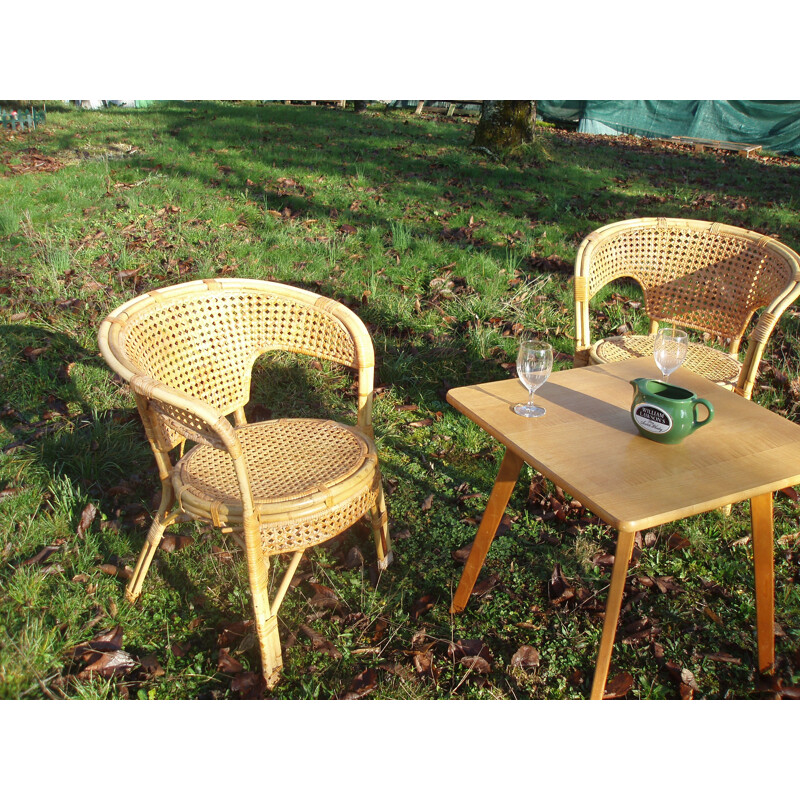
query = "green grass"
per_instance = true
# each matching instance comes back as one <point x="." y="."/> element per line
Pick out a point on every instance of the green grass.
<point x="441" y="251"/>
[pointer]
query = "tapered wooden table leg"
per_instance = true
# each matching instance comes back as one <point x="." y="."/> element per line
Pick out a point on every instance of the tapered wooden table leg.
<point x="498" y="500"/>
<point x="621" y="559"/>
<point x="764" y="564"/>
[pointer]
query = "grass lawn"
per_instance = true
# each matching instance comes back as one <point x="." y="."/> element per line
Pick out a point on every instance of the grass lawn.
<point x="446" y="254"/>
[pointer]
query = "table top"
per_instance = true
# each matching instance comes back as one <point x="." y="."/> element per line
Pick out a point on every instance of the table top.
<point x="588" y="445"/>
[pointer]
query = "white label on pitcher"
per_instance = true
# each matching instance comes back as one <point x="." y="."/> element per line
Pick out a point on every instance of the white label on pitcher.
<point x="652" y="418"/>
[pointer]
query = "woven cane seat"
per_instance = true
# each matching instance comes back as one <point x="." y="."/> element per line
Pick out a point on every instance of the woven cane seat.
<point x="321" y="471"/>
<point x="717" y="366"/>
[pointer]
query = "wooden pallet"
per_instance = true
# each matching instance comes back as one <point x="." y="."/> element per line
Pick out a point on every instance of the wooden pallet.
<point x="715" y="144"/>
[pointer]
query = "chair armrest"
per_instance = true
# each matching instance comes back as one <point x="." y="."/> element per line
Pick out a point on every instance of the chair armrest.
<point x="192" y="418"/>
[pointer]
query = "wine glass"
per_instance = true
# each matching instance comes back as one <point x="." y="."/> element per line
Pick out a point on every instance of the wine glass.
<point x="669" y="349"/>
<point x="534" y="364"/>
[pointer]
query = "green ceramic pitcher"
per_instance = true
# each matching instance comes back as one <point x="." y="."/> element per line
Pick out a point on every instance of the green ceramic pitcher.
<point x="666" y="413"/>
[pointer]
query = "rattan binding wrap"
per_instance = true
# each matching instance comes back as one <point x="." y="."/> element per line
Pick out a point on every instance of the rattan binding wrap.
<point x="702" y="276"/>
<point x="279" y="486"/>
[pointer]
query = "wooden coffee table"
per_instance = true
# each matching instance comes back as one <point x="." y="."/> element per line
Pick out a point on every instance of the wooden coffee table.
<point x="587" y="444"/>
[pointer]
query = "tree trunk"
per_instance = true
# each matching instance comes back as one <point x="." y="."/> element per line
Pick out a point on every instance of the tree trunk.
<point x="505" y="123"/>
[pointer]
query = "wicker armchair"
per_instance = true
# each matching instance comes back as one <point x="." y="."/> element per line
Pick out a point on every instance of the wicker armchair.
<point x="279" y="486"/>
<point x="703" y="276"/>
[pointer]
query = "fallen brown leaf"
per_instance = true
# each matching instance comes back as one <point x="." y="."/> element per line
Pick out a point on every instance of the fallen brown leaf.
<point x="381" y="625"/>
<point x="363" y="684"/>
<point x="126" y="573"/>
<point x="6" y="493"/>
<point x="791" y="494"/>
<point x="685" y="676"/>
<point x="151" y="666"/>
<point x="174" y="541"/>
<point x="87" y="518"/>
<point x="484" y="586"/>
<point x="725" y="658"/>
<point x="678" y="542"/>
<point x="249" y="685"/>
<point x="666" y="583"/>
<point x="461" y="556"/>
<point x="180" y="649"/>
<point x="324" y="596"/>
<point x="525" y="658"/>
<point x="320" y="643"/>
<point x="354" y="558"/>
<point x="558" y="590"/>
<point x="476" y="664"/>
<point x="233" y="633"/>
<point x="42" y="556"/>
<point x="423" y="604"/>
<point x="227" y="663"/>
<point x="424" y="665"/>
<point x="124" y="274"/>
<point x="109" y="664"/>
<point x="103" y="655"/>
<point x="31" y="353"/>
<point x="469" y="647"/>
<point x="221" y="554"/>
<point x="618" y="686"/>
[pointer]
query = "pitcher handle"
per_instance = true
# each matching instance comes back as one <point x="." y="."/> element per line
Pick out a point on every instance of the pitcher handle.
<point x="700" y="423"/>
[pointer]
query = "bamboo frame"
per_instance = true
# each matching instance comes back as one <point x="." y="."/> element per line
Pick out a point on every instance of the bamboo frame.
<point x="704" y="276"/>
<point x="187" y="352"/>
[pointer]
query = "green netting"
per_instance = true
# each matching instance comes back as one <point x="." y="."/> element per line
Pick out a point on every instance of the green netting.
<point x="774" y="124"/>
<point x="560" y="110"/>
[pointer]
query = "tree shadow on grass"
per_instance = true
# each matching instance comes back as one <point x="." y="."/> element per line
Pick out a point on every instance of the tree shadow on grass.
<point x="54" y="436"/>
<point x="392" y="152"/>
<point x="45" y="413"/>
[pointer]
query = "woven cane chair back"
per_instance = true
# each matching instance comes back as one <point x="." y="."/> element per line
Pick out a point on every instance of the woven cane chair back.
<point x="202" y="338"/>
<point x="706" y="277"/>
<point x="279" y="486"/>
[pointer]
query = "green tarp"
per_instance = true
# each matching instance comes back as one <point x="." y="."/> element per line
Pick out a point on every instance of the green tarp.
<point x="774" y="124"/>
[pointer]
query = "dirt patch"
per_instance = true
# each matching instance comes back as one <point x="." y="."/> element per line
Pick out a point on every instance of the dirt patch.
<point x="29" y="160"/>
<point x="645" y="145"/>
<point x="98" y="152"/>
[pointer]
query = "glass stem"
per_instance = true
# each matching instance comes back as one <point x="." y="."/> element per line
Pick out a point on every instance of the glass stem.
<point x="531" y="404"/>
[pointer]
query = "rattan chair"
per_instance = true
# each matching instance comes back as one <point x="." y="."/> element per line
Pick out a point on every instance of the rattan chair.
<point x="279" y="486"/>
<point x="703" y="276"/>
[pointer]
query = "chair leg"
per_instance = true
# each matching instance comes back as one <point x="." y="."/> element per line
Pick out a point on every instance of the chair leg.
<point x="161" y="522"/>
<point x="269" y="643"/>
<point x="380" y="528"/>
<point x="266" y="621"/>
